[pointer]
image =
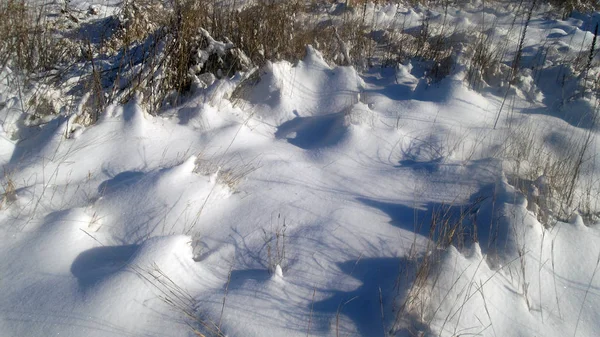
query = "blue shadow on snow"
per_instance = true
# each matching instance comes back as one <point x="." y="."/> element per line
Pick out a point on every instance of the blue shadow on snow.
<point x="96" y="264"/>
<point x="364" y="304"/>
<point x="314" y="131"/>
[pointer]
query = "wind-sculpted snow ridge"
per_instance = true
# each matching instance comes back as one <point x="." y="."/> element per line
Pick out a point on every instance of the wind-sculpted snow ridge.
<point x="312" y="199"/>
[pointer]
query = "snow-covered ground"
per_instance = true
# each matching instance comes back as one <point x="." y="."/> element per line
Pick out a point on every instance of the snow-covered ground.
<point x="323" y="201"/>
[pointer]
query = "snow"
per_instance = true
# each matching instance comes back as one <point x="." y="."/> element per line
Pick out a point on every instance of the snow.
<point x="304" y="206"/>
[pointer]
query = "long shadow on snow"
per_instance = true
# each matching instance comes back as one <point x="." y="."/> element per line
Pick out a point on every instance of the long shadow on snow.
<point x="313" y="132"/>
<point x="96" y="31"/>
<point x="471" y="217"/>
<point x="36" y="140"/>
<point x="96" y="264"/>
<point x="121" y="180"/>
<point x="363" y="305"/>
<point x="146" y="222"/>
<point x="577" y="114"/>
<point x="240" y="276"/>
<point x="550" y="82"/>
<point x="186" y="114"/>
<point x="427" y="219"/>
<point x="404" y="89"/>
<point x="431" y="166"/>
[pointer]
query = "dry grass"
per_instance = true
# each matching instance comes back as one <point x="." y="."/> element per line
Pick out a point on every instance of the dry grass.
<point x="181" y="301"/>
<point x="162" y="49"/>
<point x="551" y="180"/>
<point x="9" y="194"/>
<point x="275" y="245"/>
<point x="230" y="173"/>
<point x="448" y="225"/>
<point x="27" y="40"/>
<point x="137" y="19"/>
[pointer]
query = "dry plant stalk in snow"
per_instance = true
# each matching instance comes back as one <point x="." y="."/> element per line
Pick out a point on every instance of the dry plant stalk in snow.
<point x="275" y="245"/>
<point x="27" y="42"/>
<point x="179" y="299"/>
<point x="447" y="226"/>
<point x="9" y="194"/>
<point x="549" y="180"/>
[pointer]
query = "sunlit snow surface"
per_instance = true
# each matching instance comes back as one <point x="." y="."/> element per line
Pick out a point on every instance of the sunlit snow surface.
<point x="132" y="225"/>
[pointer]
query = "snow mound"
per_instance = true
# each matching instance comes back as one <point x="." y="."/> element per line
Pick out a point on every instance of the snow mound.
<point x="308" y="89"/>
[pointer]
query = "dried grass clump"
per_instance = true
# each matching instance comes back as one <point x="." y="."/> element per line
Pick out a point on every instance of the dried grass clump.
<point x="569" y="6"/>
<point x="449" y="225"/>
<point x="229" y="174"/>
<point x="552" y="181"/>
<point x="28" y="42"/>
<point x="484" y="66"/>
<point x="9" y="194"/>
<point x="136" y="21"/>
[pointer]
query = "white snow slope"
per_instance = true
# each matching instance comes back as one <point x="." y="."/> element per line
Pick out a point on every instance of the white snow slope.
<point x="298" y="210"/>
